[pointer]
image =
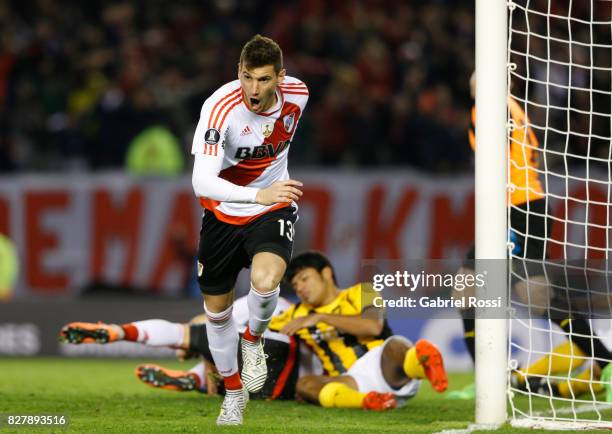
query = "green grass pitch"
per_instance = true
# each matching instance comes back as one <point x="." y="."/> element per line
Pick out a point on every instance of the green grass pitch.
<point x="104" y="396"/>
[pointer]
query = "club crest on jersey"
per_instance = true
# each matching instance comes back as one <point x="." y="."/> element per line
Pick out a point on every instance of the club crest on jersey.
<point x="288" y="122"/>
<point x="212" y="136"/>
<point x="266" y="129"/>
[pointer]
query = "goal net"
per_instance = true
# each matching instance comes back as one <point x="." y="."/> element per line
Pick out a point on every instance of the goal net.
<point x="560" y="182"/>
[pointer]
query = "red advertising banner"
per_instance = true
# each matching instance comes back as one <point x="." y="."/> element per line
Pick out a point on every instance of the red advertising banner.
<point x="71" y="230"/>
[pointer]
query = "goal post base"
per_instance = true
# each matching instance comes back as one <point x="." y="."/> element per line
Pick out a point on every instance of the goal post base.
<point x="559" y="425"/>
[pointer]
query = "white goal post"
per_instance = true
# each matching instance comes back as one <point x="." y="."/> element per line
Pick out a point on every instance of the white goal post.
<point x="550" y="61"/>
<point x="490" y="186"/>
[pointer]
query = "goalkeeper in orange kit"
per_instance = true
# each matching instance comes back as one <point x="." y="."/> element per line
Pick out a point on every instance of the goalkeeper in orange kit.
<point x="531" y="224"/>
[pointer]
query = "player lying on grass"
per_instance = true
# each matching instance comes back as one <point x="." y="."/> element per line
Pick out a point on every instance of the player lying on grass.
<point x="283" y="364"/>
<point x="287" y="359"/>
<point x="566" y="372"/>
<point x="365" y="365"/>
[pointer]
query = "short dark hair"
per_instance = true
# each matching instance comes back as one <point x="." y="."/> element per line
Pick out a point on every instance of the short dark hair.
<point x="261" y="51"/>
<point x="308" y="259"/>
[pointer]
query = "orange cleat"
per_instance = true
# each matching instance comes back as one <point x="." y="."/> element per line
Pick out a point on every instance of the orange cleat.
<point x="88" y="333"/>
<point x="379" y="401"/>
<point x="431" y="359"/>
<point x="162" y="378"/>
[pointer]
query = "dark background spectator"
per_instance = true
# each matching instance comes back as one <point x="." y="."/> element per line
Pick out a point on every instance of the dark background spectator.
<point x="79" y="80"/>
<point x="388" y="78"/>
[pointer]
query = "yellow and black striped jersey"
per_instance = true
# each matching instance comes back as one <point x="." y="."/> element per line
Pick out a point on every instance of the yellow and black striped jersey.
<point x="336" y="350"/>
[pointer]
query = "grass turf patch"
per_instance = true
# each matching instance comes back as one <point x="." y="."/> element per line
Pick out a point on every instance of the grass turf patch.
<point x="104" y="396"/>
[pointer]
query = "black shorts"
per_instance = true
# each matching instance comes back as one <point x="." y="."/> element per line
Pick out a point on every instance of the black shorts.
<point x="283" y="363"/>
<point x="226" y="249"/>
<point x="528" y="232"/>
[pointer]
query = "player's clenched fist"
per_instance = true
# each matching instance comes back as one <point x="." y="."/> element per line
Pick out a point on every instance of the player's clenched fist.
<point x="280" y="192"/>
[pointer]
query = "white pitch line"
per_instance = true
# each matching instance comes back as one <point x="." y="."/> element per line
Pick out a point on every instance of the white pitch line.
<point x="584" y="408"/>
<point x="470" y="429"/>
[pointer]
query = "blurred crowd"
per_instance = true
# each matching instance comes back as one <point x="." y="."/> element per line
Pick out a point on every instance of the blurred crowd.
<point x="80" y="80"/>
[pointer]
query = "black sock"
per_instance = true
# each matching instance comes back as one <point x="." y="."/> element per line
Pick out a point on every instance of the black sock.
<point x="469" y="326"/>
<point x="581" y="326"/>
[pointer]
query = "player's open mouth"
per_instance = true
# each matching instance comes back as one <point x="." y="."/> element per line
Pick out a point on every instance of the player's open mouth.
<point x="254" y="102"/>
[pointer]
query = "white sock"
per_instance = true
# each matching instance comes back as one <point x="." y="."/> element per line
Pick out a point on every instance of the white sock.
<point x="159" y="333"/>
<point x="198" y="370"/>
<point x="223" y="340"/>
<point x="261" y="309"/>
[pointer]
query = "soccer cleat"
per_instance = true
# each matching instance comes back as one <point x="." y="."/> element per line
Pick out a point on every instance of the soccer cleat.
<point x="525" y="383"/>
<point x="431" y="359"/>
<point x="233" y="406"/>
<point x="379" y="401"/>
<point x="160" y="377"/>
<point x="88" y="333"/>
<point x="548" y="388"/>
<point x="254" y="368"/>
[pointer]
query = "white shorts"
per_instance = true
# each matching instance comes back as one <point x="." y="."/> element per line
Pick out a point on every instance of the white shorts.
<point x="367" y="373"/>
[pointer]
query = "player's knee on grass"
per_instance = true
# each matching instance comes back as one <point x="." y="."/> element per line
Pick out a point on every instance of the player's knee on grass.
<point x="267" y="271"/>
<point x="536" y="293"/>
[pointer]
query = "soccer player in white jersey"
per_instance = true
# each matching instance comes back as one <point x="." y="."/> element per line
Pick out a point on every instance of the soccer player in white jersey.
<point x="240" y="175"/>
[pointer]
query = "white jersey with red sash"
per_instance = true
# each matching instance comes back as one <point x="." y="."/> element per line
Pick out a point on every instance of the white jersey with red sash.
<point x="253" y="147"/>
